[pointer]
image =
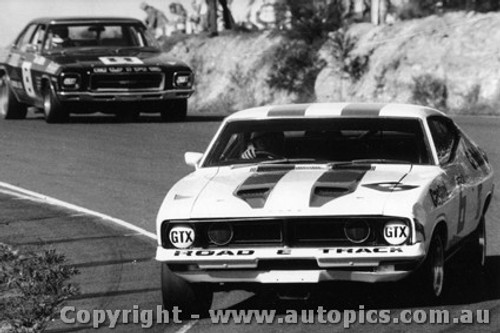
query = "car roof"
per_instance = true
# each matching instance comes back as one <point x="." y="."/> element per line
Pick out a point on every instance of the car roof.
<point x="83" y="19"/>
<point x="330" y="110"/>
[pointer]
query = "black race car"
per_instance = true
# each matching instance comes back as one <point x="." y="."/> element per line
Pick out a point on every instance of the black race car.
<point x="85" y="65"/>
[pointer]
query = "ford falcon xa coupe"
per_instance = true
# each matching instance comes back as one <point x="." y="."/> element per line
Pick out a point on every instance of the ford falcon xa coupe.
<point x="86" y="65"/>
<point x="302" y="194"/>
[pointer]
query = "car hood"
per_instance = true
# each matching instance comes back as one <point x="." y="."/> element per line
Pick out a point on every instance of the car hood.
<point x="286" y="191"/>
<point x="92" y="57"/>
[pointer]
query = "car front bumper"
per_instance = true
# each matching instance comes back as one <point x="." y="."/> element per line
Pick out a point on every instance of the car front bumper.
<point x="363" y="264"/>
<point x="122" y="96"/>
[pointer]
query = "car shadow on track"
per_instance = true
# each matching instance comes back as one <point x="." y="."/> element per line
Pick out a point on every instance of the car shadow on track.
<point x="465" y="286"/>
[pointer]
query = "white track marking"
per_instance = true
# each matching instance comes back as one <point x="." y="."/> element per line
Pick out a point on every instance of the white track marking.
<point x="186" y="327"/>
<point x="34" y="196"/>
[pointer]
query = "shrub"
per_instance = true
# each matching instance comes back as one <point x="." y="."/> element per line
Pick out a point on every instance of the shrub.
<point x="430" y="91"/>
<point x="32" y="284"/>
<point x="295" y="66"/>
<point x="354" y="65"/>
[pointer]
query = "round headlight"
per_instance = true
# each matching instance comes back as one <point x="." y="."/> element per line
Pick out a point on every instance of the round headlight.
<point x="220" y="233"/>
<point x="357" y="231"/>
<point x="181" y="236"/>
<point x="396" y="232"/>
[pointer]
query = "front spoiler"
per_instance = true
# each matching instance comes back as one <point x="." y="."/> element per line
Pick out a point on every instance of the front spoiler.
<point x="122" y="96"/>
<point x="368" y="264"/>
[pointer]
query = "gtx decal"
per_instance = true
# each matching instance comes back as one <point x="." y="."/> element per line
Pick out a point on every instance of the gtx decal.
<point x="334" y="184"/>
<point x="256" y="189"/>
<point x="362" y="110"/>
<point x="296" y="110"/>
<point x="390" y="187"/>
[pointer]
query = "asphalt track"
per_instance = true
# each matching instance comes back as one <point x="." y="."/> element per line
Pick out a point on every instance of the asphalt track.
<point x="123" y="171"/>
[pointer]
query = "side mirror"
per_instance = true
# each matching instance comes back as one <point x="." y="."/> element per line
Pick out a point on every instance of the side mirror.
<point x="192" y="159"/>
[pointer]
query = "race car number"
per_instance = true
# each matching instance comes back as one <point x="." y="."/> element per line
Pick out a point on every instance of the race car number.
<point x="27" y="79"/>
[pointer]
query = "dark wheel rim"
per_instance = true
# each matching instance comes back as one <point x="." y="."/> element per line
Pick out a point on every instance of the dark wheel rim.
<point x="47" y="104"/>
<point x="482" y="242"/>
<point x="437" y="267"/>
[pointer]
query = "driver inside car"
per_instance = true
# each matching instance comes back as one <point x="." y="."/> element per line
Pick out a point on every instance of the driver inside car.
<point x="267" y="145"/>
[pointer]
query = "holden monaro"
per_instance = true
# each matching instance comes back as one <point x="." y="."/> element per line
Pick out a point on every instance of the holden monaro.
<point x="302" y="194"/>
<point x="85" y="65"/>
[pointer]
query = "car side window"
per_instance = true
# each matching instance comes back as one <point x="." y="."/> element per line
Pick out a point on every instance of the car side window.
<point x="25" y="38"/>
<point x="38" y="37"/>
<point x="445" y="136"/>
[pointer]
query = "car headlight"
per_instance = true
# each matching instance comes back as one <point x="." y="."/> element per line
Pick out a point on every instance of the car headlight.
<point x="183" y="79"/>
<point x="357" y="231"/>
<point x="220" y="233"/>
<point x="181" y="236"/>
<point x="396" y="232"/>
<point x="70" y="81"/>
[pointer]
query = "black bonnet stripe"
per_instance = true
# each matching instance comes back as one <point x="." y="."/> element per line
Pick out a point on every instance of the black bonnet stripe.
<point x="334" y="184"/>
<point x="256" y="189"/>
<point x="362" y="110"/>
<point x="288" y="110"/>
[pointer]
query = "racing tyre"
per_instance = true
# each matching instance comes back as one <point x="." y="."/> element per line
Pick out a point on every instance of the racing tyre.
<point x="10" y="107"/>
<point x="190" y="298"/>
<point x="52" y="108"/>
<point x="479" y="245"/>
<point x="174" y="110"/>
<point x="431" y="279"/>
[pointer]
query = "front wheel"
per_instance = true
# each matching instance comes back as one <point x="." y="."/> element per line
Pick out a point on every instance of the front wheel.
<point x="174" y="110"/>
<point x="479" y="245"/>
<point x="190" y="298"/>
<point x="431" y="279"/>
<point x="52" y="108"/>
<point x="10" y="107"/>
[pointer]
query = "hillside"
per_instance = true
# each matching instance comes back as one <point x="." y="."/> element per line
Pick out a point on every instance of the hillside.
<point x="455" y="58"/>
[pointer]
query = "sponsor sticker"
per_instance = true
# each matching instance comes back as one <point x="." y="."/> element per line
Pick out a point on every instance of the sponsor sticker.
<point x="182" y="237"/>
<point x="121" y="60"/>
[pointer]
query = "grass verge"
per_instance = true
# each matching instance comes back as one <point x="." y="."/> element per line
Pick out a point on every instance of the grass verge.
<point x="32" y="285"/>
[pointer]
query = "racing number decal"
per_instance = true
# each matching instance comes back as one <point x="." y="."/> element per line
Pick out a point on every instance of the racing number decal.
<point x="462" y="204"/>
<point x="27" y="79"/>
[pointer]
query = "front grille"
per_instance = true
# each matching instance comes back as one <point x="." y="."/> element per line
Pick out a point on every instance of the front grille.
<point x="291" y="232"/>
<point x="127" y="82"/>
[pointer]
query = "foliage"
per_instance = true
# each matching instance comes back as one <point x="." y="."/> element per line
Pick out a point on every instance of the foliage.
<point x="343" y="45"/>
<point x="430" y="91"/>
<point x="294" y="68"/>
<point x="312" y="20"/>
<point x="32" y="284"/>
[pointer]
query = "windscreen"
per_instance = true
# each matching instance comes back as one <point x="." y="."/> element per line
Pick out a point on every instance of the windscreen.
<point x="321" y="140"/>
<point x="95" y="35"/>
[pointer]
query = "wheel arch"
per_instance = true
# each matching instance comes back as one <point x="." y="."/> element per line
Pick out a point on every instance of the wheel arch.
<point x="441" y="229"/>
<point x="487" y="202"/>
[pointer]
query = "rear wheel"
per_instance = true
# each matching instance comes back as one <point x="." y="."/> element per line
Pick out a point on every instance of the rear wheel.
<point x="53" y="109"/>
<point x="10" y="107"/>
<point x="174" y="110"/>
<point x="191" y="298"/>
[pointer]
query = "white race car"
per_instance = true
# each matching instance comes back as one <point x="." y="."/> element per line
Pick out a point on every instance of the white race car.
<point x="306" y="193"/>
